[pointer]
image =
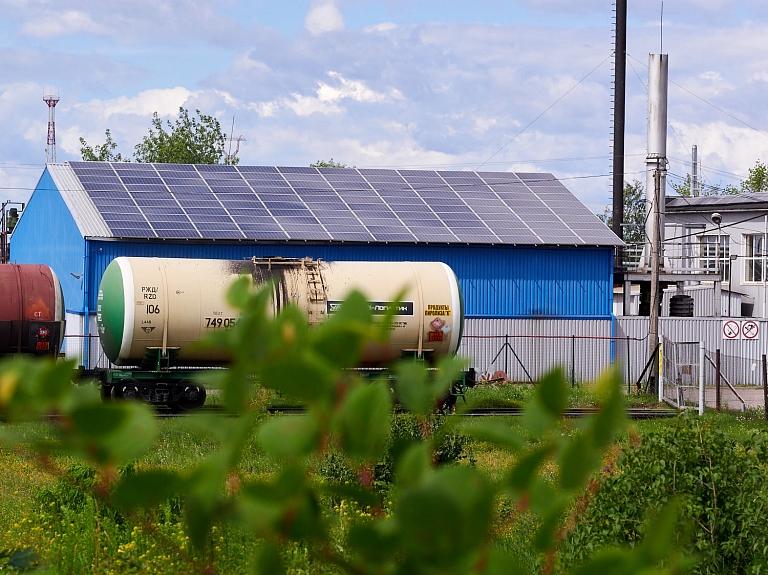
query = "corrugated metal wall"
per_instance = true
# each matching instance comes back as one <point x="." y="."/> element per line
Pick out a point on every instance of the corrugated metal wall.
<point x="740" y="358"/>
<point x="497" y="281"/>
<point x="523" y="348"/>
<point x="527" y="349"/>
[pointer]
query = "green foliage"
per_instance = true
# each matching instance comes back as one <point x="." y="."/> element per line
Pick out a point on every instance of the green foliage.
<point x="718" y="484"/>
<point x="101" y="153"/>
<point x="757" y="181"/>
<point x="436" y="518"/>
<point x="328" y="164"/>
<point x="187" y="141"/>
<point x="634" y="213"/>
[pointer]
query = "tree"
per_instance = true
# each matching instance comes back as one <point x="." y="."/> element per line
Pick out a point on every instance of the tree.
<point x="188" y="141"/>
<point x="329" y="164"/>
<point x="103" y="153"/>
<point x="756" y="182"/>
<point x="634" y="213"/>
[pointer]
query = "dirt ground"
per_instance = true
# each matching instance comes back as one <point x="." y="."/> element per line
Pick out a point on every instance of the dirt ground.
<point x="752" y="396"/>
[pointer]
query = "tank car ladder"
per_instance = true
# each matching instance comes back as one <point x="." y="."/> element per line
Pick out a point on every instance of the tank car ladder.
<point x="316" y="290"/>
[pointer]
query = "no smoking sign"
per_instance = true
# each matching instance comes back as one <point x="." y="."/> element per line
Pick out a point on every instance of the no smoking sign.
<point x="733" y="329"/>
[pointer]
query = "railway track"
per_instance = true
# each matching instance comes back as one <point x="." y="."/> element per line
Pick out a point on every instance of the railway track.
<point x="632" y="413"/>
<point x="574" y="412"/>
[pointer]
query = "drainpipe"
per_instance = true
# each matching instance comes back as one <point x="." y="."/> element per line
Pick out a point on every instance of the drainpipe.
<point x="87" y="317"/>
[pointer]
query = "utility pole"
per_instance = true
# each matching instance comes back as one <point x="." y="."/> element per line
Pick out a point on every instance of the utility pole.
<point x="619" y="97"/>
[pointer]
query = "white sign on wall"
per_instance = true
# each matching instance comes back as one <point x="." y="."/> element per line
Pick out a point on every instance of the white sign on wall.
<point x="733" y="329"/>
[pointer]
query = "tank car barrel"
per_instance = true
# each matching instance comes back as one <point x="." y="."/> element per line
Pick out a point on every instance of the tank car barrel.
<point x="167" y="304"/>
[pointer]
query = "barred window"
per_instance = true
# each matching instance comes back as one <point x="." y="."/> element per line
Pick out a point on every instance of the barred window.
<point x="709" y="256"/>
<point x="754" y="258"/>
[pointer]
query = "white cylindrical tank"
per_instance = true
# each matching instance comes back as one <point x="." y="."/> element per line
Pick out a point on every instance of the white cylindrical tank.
<point x="171" y="303"/>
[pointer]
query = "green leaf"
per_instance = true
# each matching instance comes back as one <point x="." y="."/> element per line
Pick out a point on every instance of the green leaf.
<point x="364" y="421"/>
<point x="519" y="479"/>
<point x="112" y="433"/>
<point x="494" y="432"/>
<point x="420" y="389"/>
<point x="268" y="560"/>
<point x="659" y="537"/>
<point x="503" y="563"/>
<point x="551" y="393"/>
<point x="146" y="488"/>
<point x="413" y="465"/>
<point x="579" y="459"/>
<point x="375" y="542"/>
<point x="289" y="435"/>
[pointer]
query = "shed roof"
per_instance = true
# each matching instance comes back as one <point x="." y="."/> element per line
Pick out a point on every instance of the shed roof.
<point x="212" y="202"/>
<point x="735" y="202"/>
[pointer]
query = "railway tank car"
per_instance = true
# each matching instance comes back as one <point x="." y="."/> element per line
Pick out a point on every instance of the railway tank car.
<point x="31" y="310"/>
<point x="150" y="311"/>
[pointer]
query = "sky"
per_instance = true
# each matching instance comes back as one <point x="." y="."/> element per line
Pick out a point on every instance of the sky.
<point x="490" y="85"/>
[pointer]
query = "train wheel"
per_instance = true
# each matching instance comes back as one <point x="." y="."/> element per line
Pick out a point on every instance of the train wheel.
<point x="194" y="397"/>
<point x="126" y="389"/>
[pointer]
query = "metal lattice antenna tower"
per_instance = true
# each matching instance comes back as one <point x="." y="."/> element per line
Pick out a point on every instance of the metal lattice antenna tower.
<point x="50" y="150"/>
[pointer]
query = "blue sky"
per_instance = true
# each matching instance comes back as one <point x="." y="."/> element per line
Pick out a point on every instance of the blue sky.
<point x="395" y="83"/>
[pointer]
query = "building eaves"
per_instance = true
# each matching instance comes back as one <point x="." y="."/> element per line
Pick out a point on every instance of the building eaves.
<point x="87" y="217"/>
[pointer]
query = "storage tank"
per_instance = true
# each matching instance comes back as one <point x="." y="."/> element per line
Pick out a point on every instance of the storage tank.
<point x="168" y="304"/>
<point x="31" y="310"/>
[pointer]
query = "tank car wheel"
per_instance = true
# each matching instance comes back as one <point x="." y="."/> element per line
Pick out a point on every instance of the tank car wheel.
<point x="126" y="389"/>
<point x="195" y="397"/>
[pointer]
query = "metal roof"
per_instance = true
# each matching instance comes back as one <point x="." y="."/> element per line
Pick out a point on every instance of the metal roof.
<point x="728" y="201"/>
<point x="212" y="202"/>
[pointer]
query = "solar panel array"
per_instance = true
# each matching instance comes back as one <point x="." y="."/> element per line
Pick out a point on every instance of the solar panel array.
<point x="331" y="204"/>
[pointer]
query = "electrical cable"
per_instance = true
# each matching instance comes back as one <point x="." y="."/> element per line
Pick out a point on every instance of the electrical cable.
<point x="552" y="105"/>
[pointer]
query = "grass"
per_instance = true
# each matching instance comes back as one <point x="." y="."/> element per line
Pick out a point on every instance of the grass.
<point x="77" y="535"/>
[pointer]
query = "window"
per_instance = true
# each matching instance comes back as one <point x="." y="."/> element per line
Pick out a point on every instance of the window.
<point x="709" y="255"/>
<point x="754" y="258"/>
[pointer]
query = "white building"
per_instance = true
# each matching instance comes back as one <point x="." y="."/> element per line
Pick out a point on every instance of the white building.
<point x="736" y="248"/>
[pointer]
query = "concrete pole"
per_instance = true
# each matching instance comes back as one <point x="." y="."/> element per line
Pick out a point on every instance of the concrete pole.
<point x="656" y="160"/>
<point x="653" y="335"/>
<point x="695" y="188"/>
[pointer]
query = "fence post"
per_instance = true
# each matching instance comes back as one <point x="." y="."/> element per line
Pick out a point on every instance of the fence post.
<point x="765" y="388"/>
<point x="717" y="381"/>
<point x="573" y="360"/>
<point x="629" y="370"/>
<point x="702" y="394"/>
<point x="506" y="354"/>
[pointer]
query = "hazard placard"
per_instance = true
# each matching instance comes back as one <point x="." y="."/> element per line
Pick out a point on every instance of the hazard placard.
<point x="731" y="329"/>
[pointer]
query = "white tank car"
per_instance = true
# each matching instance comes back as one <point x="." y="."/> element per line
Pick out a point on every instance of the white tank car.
<point x="170" y="303"/>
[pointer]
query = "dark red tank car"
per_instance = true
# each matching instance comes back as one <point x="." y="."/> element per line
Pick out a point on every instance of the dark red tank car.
<point x="31" y="310"/>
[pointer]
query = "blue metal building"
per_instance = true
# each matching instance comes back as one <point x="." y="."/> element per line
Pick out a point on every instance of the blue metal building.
<point x="521" y="245"/>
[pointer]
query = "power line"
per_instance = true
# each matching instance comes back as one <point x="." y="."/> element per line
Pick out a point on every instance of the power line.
<point x="547" y="110"/>
<point x="716" y="107"/>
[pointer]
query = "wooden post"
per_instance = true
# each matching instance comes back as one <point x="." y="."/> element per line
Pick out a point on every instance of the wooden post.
<point x="717" y="380"/>
<point x="765" y="388"/>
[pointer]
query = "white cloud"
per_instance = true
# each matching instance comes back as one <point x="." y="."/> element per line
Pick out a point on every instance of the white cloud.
<point x="69" y="22"/>
<point x="324" y="17"/>
<point x="327" y="98"/>
<point x="165" y="102"/>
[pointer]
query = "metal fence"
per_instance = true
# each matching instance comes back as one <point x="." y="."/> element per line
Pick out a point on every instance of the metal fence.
<point x="86" y="351"/>
<point x="526" y="357"/>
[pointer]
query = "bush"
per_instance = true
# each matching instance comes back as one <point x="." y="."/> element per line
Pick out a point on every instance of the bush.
<point x="720" y="485"/>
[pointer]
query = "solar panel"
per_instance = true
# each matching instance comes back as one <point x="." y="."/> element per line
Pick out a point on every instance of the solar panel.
<point x="267" y="202"/>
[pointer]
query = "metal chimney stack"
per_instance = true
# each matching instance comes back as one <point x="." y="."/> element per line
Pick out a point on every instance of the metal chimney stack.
<point x="658" y="74"/>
